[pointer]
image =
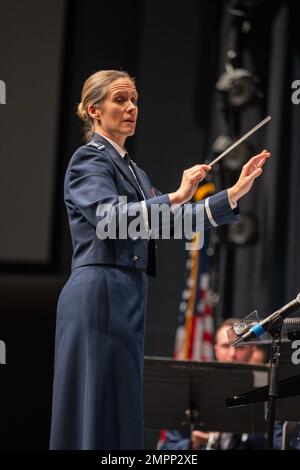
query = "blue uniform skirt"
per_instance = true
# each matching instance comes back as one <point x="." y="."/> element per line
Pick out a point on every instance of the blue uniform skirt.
<point x="99" y="351"/>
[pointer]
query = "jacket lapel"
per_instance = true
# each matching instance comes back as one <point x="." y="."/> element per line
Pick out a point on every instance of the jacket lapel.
<point x="118" y="161"/>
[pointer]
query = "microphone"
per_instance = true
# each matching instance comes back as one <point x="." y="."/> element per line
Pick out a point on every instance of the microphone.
<point x="263" y="326"/>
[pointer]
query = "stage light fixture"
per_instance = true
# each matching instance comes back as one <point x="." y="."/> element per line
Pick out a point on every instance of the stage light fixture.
<point x="244" y="232"/>
<point x="239" y="86"/>
<point x="242" y="7"/>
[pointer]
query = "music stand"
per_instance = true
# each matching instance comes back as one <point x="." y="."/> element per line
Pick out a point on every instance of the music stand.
<point x="191" y="394"/>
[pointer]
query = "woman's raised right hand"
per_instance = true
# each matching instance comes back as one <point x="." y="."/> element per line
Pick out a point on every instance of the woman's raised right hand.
<point x="189" y="184"/>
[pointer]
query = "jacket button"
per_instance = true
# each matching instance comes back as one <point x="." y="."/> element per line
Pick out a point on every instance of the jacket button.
<point x="135" y="258"/>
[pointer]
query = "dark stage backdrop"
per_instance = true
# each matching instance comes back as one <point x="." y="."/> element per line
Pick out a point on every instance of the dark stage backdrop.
<point x="266" y="274"/>
<point x="31" y="41"/>
<point x="176" y="53"/>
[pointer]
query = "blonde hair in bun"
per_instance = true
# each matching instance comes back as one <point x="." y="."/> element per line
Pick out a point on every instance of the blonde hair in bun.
<point x="81" y="112"/>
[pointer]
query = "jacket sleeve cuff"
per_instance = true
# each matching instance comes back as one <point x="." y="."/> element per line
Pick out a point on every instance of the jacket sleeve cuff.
<point x="219" y="210"/>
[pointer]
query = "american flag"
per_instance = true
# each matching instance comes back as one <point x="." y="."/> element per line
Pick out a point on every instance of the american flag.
<point x="195" y="331"/>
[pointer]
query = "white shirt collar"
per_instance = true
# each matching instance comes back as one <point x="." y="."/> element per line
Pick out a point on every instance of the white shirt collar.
<point x="119" y="149"/>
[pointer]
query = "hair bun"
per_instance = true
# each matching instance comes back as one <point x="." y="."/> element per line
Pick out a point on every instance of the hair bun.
<point x="81" y="112"/>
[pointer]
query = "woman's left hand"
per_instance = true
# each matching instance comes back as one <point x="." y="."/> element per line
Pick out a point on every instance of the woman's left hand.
<point x="251" y="170"/>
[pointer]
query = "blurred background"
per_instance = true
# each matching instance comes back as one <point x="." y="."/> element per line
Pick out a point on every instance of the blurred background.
<point x="207" y="71"/>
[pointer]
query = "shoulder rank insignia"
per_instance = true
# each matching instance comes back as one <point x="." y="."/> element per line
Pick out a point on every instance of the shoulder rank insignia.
<point x="97" y="146"/>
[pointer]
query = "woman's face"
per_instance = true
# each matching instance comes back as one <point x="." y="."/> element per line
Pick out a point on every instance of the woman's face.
<point x="117" y="115"/>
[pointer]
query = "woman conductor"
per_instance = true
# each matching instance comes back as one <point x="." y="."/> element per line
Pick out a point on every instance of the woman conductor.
<point x="97" y="391"/>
